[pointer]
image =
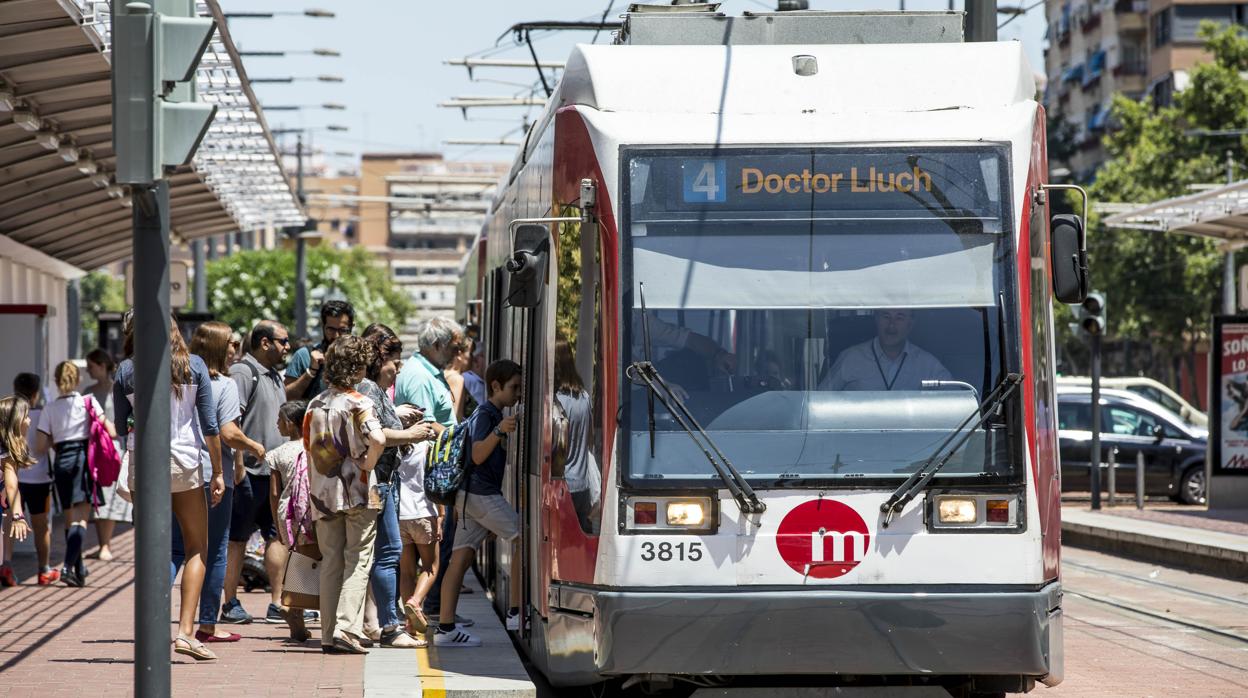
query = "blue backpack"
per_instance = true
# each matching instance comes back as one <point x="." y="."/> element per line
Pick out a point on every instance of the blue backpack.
<point x="449" y="467"/>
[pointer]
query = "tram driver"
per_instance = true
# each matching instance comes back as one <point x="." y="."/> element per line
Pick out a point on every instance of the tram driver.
<point x="887" y="362"/>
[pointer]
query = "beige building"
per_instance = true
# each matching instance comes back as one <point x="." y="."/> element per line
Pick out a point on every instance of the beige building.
<point x="417" y="211"/>
<point x="1096" y="48"/>
<point x="1173" y="43"/>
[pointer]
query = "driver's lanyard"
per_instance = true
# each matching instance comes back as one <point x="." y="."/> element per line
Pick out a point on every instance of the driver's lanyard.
<point x="888" y="385"/>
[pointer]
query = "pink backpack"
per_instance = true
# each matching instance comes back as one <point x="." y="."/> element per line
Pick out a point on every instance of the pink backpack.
<point x="103" y="461"/>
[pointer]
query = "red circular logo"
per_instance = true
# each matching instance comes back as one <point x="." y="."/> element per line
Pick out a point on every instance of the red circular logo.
<point x="823" y="539"/>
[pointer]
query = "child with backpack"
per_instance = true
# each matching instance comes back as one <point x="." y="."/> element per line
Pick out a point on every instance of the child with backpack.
<point x="480" y="501"/>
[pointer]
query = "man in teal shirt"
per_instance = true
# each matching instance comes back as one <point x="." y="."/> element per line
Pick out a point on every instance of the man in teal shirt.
<point x="421" y="382"/>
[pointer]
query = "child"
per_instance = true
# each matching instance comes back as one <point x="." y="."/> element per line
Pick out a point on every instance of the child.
<point x="14" y="454"/>
<point x="35" y="485"/>
<point x="420" y="531"/>
<point x="288" y="495"/>
<point x="484" y="510"/>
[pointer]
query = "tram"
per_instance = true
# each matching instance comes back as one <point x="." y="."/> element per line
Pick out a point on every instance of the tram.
<point x="783" y="299"/>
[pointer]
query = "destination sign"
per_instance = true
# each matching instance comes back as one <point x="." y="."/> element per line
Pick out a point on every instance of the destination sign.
<point x="925" y="181"/>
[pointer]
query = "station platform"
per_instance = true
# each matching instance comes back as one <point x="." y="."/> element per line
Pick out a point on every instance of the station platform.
<point x="56" y="641"/>
<point x="1212" y="542"/>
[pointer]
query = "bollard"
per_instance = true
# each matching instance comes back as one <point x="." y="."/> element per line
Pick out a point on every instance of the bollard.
<point x="1139" y="480"/>
<point x="1113" y="475"/>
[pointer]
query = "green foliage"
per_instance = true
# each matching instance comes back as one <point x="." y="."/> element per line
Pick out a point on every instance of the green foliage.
<point x="568" y="296"/>
<point x="98" y="292"/>
<point x="1162" y="288"/>
<point x="250" y="286"/>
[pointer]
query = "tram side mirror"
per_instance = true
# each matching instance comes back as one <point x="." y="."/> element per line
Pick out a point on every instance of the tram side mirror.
<point x="1070" y="260"/>
<point x="527" y="266"/>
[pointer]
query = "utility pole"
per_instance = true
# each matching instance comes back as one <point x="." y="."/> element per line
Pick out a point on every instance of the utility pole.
<point x="157" y="123"/>
<point x="981" y="20"/>
<point x="301" y="250"/>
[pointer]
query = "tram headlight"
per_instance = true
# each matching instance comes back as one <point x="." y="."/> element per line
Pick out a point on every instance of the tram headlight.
<point x="957" y="510"/>
<point x="685" y="513"/>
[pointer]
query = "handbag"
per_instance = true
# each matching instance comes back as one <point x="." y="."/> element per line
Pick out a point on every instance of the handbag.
<point x="301" y="586"/>
<point x="103" y="461"/>
<point x="123" y="479"/>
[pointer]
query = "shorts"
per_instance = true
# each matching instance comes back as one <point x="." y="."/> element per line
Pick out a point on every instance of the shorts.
<point x="181" y="478"/>
<point x="36" y="498"/>
<point x="481" y="514"/>
<point x="251" y="510"/>
<point x="418" y="531"/>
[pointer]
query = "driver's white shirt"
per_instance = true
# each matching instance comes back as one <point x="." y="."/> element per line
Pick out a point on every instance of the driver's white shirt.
<point x="865" y="366"/>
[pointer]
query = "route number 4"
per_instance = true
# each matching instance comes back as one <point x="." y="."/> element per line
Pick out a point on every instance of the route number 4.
<point x="705" y="181"/>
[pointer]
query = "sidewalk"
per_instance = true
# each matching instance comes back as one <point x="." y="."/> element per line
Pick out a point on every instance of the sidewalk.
<point x="1210" y="542"/>
<point x="61" y="642"/>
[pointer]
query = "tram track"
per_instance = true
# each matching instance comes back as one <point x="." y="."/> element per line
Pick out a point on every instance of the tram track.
<point x="1146" y="581"/>
<point x="1130" y="607"/>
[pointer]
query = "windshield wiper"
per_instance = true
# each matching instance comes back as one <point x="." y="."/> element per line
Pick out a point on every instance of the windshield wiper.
<point x="644" y="372"/>
<point x="923" y="475"/>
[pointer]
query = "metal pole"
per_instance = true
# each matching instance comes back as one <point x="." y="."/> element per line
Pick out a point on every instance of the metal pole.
<point x="301" y="251"/>
<point x="1139" y="480"/>
<point x="229" y="244"/>
<point x="73" y="308"/>
<point x="981" y="20"/>
<point x="212" y="247"/>
<point x="1228" y="260"/>
<point x="152" y="512"/>
<point x="1095" y="477"/>
<point x="201" y="276"/>
<point x="1113" y="474"/>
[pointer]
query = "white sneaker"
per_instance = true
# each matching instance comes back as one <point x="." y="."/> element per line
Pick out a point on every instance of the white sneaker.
<point x="513" y="621"/>
<point x="455" y="638"/>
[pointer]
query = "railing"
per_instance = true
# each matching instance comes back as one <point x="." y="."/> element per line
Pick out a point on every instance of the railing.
<point x="1137" y="66"/>
<point x="1131" y="7"/>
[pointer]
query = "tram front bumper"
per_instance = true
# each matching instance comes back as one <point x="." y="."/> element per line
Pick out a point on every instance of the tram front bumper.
<point x="822" y="631"/>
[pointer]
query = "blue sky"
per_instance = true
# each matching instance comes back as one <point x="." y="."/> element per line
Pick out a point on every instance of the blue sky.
<point x="392" y="53"/>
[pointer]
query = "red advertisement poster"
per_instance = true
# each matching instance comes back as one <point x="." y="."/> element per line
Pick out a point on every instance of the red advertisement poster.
<point x="1233" y="390"/>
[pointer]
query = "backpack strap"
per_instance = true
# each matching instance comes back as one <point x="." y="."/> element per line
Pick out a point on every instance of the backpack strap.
<point x="255" y="380"/>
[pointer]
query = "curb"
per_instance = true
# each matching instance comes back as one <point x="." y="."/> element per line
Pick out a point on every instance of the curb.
<point x="1208" y="559"/>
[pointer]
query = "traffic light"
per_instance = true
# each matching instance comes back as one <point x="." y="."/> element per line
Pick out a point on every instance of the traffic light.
<point x="1092" y="314"/>
<point x="157" y="122"/>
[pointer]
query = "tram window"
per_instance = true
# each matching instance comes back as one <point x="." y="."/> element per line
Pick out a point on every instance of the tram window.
<point x="577" y="381"/>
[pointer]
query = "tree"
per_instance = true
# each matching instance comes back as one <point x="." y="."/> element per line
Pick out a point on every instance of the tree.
<point x="98" y="292"/>
<point x="1162" y="288"/>
<point x="247" y="287"/>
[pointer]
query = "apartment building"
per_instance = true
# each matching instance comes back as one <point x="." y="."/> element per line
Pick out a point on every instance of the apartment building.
<point x="1174" y="46"/>
<point x="1096" y="48"/>
<point x="417" y="211"/>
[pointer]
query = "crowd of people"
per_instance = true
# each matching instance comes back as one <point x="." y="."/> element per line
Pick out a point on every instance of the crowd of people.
<point x="322" y="451"/>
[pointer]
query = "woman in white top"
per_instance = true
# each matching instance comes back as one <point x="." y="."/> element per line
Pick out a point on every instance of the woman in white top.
<point x="112" y="508"/>
<point x="192" y="429"/>
<point x="66" y="424"/>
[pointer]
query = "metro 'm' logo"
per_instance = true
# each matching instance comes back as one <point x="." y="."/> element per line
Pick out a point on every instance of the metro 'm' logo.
<point x="823" y="539"/>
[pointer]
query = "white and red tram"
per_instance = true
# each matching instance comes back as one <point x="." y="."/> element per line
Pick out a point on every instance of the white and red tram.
<point x="695" y="239"/>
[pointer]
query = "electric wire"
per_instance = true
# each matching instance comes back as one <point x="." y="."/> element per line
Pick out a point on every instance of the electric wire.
<point x="1027" y="9"/>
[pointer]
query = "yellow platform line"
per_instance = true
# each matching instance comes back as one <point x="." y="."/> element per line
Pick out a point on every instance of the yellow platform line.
<point x="432" y="684"/>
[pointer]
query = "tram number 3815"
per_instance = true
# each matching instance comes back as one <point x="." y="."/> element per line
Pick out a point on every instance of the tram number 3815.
<point x="667" y="551"/>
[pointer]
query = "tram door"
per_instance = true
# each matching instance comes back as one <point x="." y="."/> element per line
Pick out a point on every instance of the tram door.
<point x="525" y="453"/>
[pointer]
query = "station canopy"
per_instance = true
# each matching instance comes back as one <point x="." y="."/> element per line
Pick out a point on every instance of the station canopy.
<point x="57" y="192"/>
<point x="1219" y="213"/>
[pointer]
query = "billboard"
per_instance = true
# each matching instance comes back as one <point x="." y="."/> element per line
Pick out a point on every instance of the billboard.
<point x="1228" y="402"/>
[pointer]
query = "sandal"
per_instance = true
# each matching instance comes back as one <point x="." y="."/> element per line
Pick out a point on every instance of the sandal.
<point x="417" y="623"/>
<point x="193" y="649"/>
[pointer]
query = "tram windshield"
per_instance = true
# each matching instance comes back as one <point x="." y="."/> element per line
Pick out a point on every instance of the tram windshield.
<point x="830" y="314"/>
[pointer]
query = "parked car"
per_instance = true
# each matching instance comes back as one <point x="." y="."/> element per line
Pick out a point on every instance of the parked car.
<point x="1156" y="391"/>
<point x="1174" y="451"/>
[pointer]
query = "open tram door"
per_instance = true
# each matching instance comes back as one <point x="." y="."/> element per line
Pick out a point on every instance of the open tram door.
<point x="530" y="302"/>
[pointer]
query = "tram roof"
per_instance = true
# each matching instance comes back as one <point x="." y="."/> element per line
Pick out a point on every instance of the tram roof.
<point x="55" y="59"/>
<point x="762" y="79"/>
<point x="1220" y="213"/>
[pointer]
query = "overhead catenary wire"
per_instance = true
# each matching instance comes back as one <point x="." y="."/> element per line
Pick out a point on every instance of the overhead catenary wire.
<point x="1027" y="9"/>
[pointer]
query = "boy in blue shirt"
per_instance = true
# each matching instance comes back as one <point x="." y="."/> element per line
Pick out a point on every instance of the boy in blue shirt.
<point x="484" y="510"/>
